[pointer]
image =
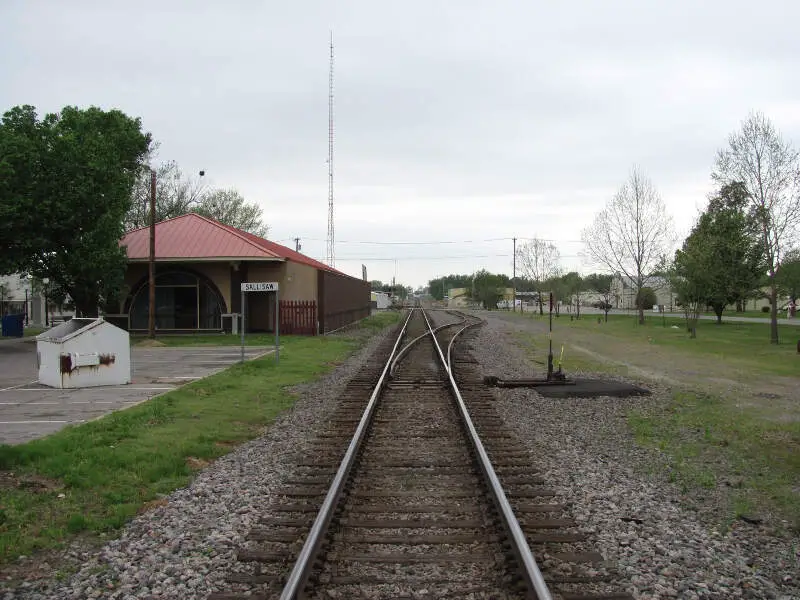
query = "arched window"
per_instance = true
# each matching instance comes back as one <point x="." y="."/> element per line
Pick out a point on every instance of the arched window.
<point x="184" y="301"/>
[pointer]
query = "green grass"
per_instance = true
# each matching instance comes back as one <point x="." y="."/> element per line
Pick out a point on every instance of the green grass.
<point x="32" y="331"/>
<point x="710" y="443"/>
<point x="94" y="477"/>
<point x="739" y="345"/>
<point x="744" y="446"/>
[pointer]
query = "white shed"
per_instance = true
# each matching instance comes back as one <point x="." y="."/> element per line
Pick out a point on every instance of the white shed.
<point x="84" y="353"/>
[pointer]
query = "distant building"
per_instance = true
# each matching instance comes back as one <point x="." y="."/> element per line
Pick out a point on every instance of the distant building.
<point x="15" y="294"/>
<point x="623" y="292"/>
<point x="380" y="300"/>
<point x="19" y="294"/>
<point x="201" y="265"/>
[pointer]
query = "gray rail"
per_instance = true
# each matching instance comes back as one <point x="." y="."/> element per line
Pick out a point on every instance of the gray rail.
<point x="532" y="574"/>
<point x="305" y="560"/>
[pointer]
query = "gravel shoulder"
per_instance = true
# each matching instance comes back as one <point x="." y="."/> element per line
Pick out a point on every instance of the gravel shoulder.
<point x="664" y="542"/>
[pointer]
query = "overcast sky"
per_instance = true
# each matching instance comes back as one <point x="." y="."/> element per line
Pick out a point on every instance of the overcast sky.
<point x="469" y="120"/>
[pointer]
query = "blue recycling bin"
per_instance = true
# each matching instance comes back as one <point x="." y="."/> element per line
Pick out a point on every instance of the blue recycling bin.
<point x="13" y="325"/>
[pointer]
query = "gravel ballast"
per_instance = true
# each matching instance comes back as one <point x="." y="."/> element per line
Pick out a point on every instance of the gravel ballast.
<point x="665" y="550"/>
<point x="640" y="523"/>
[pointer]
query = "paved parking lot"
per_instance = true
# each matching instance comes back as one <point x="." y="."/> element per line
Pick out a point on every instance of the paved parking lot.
<point x="29" y="410"/>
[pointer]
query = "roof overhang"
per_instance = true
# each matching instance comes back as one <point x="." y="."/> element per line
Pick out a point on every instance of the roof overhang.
<point x="212" y="259"/>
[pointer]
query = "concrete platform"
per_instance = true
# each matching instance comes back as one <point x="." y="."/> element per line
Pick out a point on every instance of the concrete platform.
<point x="29" y="410"/>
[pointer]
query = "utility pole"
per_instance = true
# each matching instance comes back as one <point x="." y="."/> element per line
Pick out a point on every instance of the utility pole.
<point x="329" y="253"/>
<point x="151" y="321"/>
<point x="297" y="245"/>
<point x="514" y="279"/>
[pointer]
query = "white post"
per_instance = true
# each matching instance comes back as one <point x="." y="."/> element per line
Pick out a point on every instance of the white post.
<point x="277" y="326"/>
<point x="243" y="293"/>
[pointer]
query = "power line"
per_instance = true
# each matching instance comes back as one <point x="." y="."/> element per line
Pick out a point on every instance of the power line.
<point x="443" y="257"/>
<point x="442" y="242"/>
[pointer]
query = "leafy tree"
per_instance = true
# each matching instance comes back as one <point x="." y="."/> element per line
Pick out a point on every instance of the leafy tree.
<point x="686" y="280"/>
<point x="632" y="233"/>
<point x="788" y="276"/>
<point x="65" y="187"/>
<point x="438" y="287"/>
<point x="177" y="195"/>
<point x="229" y="207"/>
<point x="5" y="291"/>
<point x="538" y="261"/>
<point x="734" y="253"/>
<point x="767" y="167"/>
<point x="601" y="284"/>
<point x="646" y="298"/>
<point x="560" y="289"/>
<point x="575" y="285"/>
<point x="488" y="288"/>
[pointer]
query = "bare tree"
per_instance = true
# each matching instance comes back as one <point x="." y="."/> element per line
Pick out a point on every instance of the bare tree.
<point x="632" y="233"/>
<point x="229" y="207"/>
<point x="769" y="168"/>
<point x="538" y="262"/>
<point x="176" y="195"/>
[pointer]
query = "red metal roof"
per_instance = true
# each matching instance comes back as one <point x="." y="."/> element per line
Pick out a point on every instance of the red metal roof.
<point x="193" y="236"/>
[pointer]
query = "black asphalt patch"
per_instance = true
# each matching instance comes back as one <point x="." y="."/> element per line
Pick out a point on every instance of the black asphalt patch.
<point x="592" y="388"/>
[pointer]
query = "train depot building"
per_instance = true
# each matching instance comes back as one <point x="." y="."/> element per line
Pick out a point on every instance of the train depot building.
<point x="200" y="266"/>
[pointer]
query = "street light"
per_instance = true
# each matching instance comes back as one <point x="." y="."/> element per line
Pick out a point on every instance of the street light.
<point x="45" y="282"/>
<point x="151" y="320"/>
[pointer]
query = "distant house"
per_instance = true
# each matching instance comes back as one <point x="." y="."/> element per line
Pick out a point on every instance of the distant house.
<point x="380" y="300"/>
<point x="18" y="296"/>
<point x="458" y="298"/>
<point x="623" y="292"/>
<point x="15" y="294"/>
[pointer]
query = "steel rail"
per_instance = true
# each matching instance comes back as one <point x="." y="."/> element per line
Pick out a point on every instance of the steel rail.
<point x="302" y="567"/>
<point x="410" y="344"/>
<point x="531" y="573"/>
<point x="453" y="339"/>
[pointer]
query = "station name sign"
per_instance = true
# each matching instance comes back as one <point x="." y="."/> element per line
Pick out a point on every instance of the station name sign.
<point x="264" y="286"/>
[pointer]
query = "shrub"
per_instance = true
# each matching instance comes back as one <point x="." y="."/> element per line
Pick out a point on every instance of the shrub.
<point x="647" y="298"/>
<point x="765" y="309"/>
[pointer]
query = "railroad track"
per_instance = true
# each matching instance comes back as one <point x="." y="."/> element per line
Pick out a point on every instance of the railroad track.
<point x="417" y="489"/>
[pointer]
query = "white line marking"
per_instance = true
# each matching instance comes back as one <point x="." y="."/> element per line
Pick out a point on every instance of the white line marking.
<point x="29" y="403"/>
<point x="103" y="388"/>
<point x="30" y="422"/>
<point x="14" y="387"/>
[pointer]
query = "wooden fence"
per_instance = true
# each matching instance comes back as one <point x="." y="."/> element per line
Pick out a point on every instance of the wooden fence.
<point x="298" y="317"/>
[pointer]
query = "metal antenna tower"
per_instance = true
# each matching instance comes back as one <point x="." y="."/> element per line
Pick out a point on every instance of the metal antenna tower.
<point x="330" y="252"/>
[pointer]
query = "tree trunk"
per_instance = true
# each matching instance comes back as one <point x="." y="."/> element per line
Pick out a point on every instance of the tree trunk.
<point x="606" y="311"/>
<point x="773" y="321"/>
<point x="541" y="304"/>
<point x="718" y="311"/>
<point x="641" y="314"/>
<point x="86" y="307"/>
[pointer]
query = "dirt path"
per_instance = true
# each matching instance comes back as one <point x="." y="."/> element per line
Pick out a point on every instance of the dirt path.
<point x="779" y="396"/>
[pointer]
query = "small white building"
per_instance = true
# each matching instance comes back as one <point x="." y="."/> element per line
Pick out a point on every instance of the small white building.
<point x="380" y="300"/>
<point x="84" y="353"/>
